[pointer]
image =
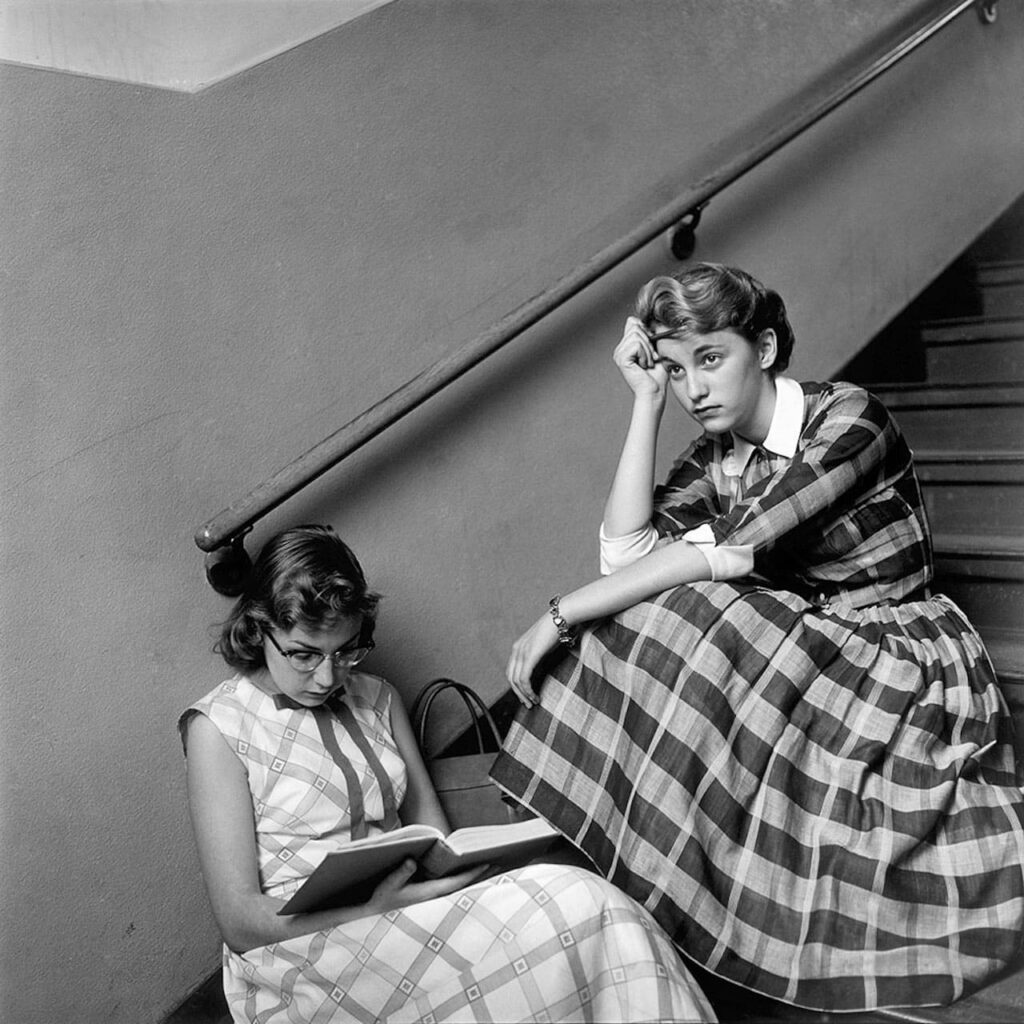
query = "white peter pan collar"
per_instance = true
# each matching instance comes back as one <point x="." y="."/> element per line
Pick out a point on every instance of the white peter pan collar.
<point x="783" y="433"/>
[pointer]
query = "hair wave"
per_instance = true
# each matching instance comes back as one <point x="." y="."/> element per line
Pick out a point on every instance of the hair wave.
<point x="709" y="297"/>
<point x="306" y="576"/>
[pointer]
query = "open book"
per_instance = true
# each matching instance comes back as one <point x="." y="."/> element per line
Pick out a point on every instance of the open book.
<point x="350" y="874"/>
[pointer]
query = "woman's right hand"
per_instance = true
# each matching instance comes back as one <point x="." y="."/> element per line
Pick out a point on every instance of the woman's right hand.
<point x="396" y="891"/>
<point x="639" y="364"/>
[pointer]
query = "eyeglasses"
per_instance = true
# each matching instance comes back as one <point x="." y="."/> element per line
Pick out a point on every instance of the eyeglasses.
<point x="309" y="661"/>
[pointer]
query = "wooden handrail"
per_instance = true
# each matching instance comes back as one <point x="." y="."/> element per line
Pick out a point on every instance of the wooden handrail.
<point x="232" y="523"/>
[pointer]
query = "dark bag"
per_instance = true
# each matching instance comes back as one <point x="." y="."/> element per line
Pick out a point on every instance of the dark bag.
<point x="467" y="795"/>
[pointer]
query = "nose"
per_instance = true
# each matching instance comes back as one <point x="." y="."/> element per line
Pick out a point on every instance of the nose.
<point x="325" y="673"/>
<point x="696" y="387"/>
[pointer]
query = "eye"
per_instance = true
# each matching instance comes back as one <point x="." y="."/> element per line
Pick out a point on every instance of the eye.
<point x="304" y="659"/>
<point x="711" y="359"/>
<point x="674" y="370"/>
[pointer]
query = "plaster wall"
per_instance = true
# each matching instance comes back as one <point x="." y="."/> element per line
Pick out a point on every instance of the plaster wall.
<point x="196" y="288"/>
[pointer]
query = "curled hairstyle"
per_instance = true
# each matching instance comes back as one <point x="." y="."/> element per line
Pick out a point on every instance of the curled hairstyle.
<point x="709" y="297"/>
<point x="306" y="577"/>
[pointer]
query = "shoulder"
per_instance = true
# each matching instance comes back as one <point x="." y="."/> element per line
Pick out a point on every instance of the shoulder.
<point x="225" y="706"/>
<point x="370" y="692"/>
<point x="840" y="400"/>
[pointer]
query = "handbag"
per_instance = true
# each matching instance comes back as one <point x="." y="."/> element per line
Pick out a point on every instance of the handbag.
<point x="467" y="795"/>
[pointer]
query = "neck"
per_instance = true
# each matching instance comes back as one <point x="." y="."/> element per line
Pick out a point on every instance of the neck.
<point x="761" y="421"/>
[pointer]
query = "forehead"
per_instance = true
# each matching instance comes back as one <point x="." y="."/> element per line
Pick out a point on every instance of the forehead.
<point x="326" y="636"/>
<point x="680" y="347"/>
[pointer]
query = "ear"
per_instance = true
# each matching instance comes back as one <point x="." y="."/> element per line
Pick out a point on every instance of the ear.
<point x="767" y="348"/>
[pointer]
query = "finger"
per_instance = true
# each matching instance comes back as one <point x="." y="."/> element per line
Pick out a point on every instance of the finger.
<point x="523" y="691"/>
<point x="646" y="356"/>
<point x="512" y="675"/>
<point x="521" y="685"/>
<point x="450" y="883"/>
<point x="399" y="877"/>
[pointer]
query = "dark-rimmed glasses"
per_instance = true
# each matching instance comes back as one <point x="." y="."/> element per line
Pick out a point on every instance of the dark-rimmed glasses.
<point x="306" y="660"/>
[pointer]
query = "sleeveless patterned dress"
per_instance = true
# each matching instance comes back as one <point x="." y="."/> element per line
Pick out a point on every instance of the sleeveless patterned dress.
<point x="543" y="942"/>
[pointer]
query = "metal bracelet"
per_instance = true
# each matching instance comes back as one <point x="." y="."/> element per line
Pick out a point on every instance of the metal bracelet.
<point x="566" y="635"/>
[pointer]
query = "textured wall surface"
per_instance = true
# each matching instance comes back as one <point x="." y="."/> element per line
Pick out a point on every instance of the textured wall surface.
<point x="197" y="288"/>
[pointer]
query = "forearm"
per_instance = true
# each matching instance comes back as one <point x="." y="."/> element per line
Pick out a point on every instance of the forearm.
<point x="254" y="921"/>
<point x="629" y="505"/>
<point x="662" y="569"/>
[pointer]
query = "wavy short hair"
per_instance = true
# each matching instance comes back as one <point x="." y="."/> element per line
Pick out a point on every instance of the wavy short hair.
<point x="306" y="576"/>
<point x="709" y="297"/>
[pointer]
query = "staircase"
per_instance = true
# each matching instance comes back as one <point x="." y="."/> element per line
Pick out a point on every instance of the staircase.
<point x="965" y="422"/>
<point x="954" y="370"/>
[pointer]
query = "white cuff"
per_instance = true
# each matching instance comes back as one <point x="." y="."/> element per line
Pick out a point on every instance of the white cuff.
<point x="727" y="563"/>
<point x="618" y="552"/>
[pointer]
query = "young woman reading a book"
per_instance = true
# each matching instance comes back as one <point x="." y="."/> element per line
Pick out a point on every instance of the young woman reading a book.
<point x="768" y="731"/>
<point x="298" y="754"/>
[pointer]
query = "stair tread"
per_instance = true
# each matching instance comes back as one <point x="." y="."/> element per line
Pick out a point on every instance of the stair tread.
<point x="948" y="470"/>
<point x="987" y="456"/>
<point x="999" y="272"/>
<point x="923" y="394"/>
<point x="1007" y="655"/>
<point x="973" y="328"/>
<point x="979" y="545"/>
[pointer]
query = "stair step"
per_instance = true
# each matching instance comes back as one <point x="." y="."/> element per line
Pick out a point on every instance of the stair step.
<point x="973" y="328"/>
<point x="1006" y="649"/>
<point x="984" y="547"/>
<point x="974" y="350"/>
<point x="981" y="556"/>
<point x="967" y="466"/>
<point x="958" y="418"/>
<point x="990" y="509"/>
<point x="1002" y="287"/>
<point x="983" y="489"/>
<point x="993" y="605"/>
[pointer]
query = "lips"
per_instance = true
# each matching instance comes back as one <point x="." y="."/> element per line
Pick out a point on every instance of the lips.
<point x="706" y="410"/>
<point x="321" y="695"/>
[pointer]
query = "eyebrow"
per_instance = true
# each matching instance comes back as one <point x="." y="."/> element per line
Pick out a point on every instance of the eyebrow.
<point x="316" y="650"/>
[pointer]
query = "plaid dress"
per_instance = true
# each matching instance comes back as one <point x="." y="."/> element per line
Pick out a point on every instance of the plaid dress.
<point x="807" y="774"/>
<point x="544" y="942"/>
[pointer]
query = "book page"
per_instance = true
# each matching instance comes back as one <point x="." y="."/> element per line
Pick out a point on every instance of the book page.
<point x="487" y="837"/>
<point x="498" y="845"/>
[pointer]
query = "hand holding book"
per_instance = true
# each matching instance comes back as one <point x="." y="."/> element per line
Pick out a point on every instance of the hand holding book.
<point x="351" y="874"/>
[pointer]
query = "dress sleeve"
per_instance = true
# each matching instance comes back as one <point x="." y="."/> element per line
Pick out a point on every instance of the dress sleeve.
<point x="842" y="456"/>
<point x="618" y="552"/>
<point x="690" y="497"/>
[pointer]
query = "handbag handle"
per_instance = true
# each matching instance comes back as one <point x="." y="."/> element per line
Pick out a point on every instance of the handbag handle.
<point x="478" y="710"/>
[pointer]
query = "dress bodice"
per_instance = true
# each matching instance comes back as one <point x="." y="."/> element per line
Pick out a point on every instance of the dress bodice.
<point x="319" y="777"/>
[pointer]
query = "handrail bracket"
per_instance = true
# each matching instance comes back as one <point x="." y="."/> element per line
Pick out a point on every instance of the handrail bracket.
<point x="988" y="11"/>
<point x="682" y="236"/>
<point x="228" y="566"/>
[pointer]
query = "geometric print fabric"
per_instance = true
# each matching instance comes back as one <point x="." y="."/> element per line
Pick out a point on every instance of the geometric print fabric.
<point x="544" y="942"/>
<point x="821" y="804"/>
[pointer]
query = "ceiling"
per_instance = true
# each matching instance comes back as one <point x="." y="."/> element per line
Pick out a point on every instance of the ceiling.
<point x="185" y="45"/>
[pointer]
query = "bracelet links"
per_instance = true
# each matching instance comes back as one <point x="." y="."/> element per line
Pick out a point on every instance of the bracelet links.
<point x="566" y="634"/>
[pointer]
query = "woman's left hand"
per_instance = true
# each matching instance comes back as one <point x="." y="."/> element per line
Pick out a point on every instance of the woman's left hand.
<point x="527" y="652"/>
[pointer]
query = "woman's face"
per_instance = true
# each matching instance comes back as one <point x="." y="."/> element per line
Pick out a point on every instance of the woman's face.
<point x="722" y="380"/>
<point x="285" y="649"/>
